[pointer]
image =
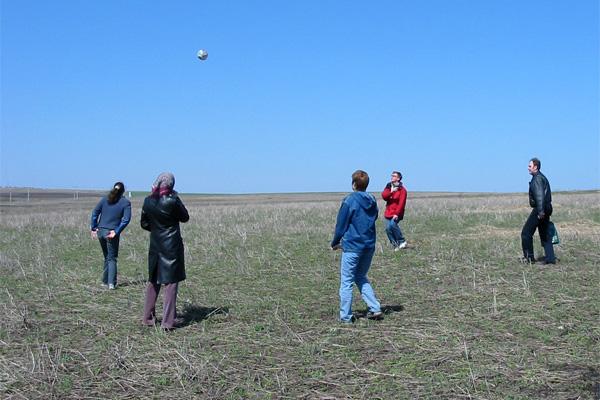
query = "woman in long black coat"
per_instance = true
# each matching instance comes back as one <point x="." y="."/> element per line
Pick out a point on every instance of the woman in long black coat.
<point x="162" y="212"/>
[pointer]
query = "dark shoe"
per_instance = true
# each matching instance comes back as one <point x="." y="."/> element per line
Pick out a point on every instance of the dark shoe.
<point x="350" y="321"/>
<point x="376" y="316"/>
<point x="545" y="262"/>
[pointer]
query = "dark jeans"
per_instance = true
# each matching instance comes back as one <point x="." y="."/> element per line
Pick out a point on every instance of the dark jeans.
<point x="110" y="249"/>
<point x="529" y="228"/>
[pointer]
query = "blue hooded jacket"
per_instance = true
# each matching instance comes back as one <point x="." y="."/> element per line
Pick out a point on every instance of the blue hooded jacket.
<point x="355" y="226"/>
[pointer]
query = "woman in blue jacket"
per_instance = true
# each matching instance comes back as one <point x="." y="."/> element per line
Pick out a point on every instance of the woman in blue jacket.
<point x="110" y="216"/>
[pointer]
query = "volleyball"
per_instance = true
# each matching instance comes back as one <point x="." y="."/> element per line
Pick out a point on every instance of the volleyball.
<point x="202" y="54"/>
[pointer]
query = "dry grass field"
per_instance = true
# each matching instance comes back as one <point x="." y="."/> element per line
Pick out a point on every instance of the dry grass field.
<point x="463" y="318"/>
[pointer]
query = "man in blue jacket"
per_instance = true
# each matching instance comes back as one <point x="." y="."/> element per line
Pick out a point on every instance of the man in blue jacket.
<point x="355" y="230"/>
<point x="540" y="200"/>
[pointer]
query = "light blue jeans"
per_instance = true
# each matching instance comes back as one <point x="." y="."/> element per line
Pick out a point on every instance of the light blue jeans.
<point x="110" y="250"/>
<point x="353" y="269"/>
<point x="394" y="233"/>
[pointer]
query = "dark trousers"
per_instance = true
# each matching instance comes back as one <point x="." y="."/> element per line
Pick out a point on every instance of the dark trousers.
<point x="529" y="228"/>
<point x="169" y="305"/>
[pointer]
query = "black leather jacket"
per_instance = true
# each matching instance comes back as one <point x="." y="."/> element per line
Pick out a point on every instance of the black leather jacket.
<point x="161" y="216"/>
<point x="540" y="195"/>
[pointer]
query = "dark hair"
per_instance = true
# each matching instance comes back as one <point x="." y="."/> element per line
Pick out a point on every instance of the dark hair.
<point x="360" y="180"/>
<point x="397" y="173"/>
<point x="116" y="192"/>
<point x="536" y="161"/>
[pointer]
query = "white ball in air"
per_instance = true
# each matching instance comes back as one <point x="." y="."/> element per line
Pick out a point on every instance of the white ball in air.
<point x="202" y="54"/>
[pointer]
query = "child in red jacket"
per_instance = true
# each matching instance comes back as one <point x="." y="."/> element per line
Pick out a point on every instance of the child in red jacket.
<point x="394" y="195"/>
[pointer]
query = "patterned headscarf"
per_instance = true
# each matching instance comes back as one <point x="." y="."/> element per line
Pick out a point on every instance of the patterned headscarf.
<point x="163" y="185"/>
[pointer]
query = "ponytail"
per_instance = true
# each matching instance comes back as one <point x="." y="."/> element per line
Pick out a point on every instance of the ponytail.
<point x="116" y="192"/>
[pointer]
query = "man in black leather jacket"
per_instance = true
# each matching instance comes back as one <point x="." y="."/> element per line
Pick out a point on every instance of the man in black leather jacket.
<point x="540" y="200"/>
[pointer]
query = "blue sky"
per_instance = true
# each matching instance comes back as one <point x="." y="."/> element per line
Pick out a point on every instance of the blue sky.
<point x="295" y="96"/>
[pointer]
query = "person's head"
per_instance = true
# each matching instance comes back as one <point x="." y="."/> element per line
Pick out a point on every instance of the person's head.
<point x="360" y="180"/>
<point x="116" y="192"/>
<point x="534" y="166"/>
<point x="396" y="177"/>
<point x="163" y="185"/>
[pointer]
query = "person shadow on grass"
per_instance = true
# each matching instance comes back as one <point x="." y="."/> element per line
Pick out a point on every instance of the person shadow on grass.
<point x="192" y="313"/>
<point x="132" y="282"/>
<point x="385" y="309"/>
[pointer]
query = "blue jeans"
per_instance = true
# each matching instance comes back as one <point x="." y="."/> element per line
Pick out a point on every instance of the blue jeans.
<point x="529" y="228"/>
<point x="392" y="228"/>
<point x="110" y="249"/>
<point x="353" y="269"/>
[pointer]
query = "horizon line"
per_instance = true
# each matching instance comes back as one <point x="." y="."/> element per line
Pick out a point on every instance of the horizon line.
<point x="23" y="188"/>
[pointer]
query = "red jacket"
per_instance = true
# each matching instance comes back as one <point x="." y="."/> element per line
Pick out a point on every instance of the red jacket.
<point x="395" y="202"/>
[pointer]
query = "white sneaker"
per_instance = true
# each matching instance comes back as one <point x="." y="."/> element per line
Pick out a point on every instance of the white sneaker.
<point x="111" y="286"/>
<point x="402" y="245"/>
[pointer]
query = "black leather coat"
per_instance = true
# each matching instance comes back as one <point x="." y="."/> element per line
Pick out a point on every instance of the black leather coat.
<point x="161" y="216"/>
<point x="540" y="195"/>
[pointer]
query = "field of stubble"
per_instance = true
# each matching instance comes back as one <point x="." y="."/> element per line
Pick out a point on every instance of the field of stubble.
<point x="258" y="312"/>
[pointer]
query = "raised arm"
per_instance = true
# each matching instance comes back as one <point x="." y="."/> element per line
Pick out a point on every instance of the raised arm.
<point x="387" y="192"/>
<point x="182" y="212"/>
